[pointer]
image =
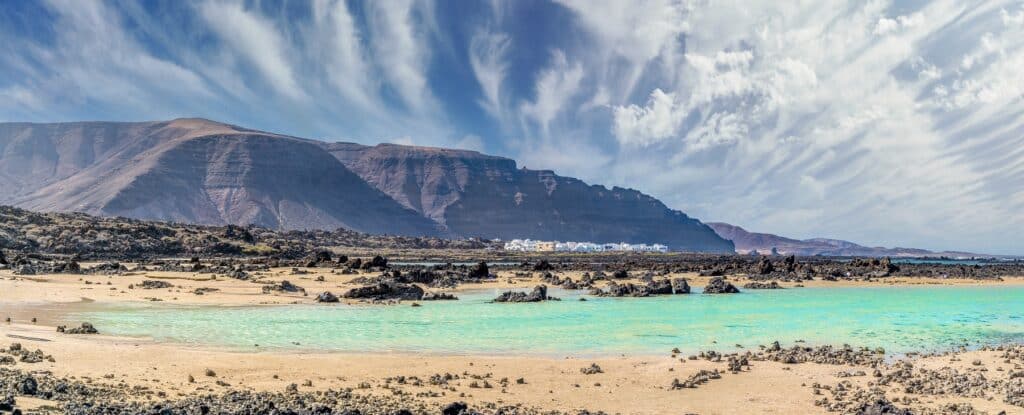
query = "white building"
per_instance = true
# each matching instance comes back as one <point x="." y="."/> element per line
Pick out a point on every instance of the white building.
<point x="528" y="245"/>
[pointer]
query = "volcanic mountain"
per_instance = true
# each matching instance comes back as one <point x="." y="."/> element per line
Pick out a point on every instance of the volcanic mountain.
<point x="473" y="194"/>
<point x="766" y="243"/>
<point x="200" y="171"/>
<point x="194" y="171"/>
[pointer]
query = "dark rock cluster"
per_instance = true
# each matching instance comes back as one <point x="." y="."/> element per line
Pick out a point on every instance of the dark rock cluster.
<point x="652" y="287"/>
<point x="538" y="294"/>
<point x="718" y="285"/>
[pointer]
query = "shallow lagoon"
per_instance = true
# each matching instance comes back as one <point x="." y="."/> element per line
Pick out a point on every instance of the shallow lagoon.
<point x="900" y="319"/>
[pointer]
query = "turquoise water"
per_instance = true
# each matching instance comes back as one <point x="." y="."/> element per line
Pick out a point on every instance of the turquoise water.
<point x="897" y="318"/>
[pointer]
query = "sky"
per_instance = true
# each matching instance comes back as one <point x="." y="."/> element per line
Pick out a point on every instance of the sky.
<point x="888" y="123"/>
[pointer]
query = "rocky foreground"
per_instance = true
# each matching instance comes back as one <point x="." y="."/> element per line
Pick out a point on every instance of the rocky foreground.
<point x="864" y="382"/>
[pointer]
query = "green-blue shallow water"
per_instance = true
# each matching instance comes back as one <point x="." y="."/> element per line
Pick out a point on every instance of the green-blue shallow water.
<point x="900" y="319"/>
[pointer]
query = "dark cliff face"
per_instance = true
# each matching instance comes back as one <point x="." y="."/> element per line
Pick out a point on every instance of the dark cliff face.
<point x="472" y="194"/>
<point x="194" y="171"/>
<point x="199" y="171"/>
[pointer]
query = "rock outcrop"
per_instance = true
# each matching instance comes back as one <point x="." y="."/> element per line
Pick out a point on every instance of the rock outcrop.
<point x="538" y="294"/>
<point x="385" y="290"/>
<point x="718" y="285"/>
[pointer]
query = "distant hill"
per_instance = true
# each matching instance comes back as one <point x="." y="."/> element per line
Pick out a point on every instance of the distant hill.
<point x="201" y="171"/>
<point x="763" y="243"/>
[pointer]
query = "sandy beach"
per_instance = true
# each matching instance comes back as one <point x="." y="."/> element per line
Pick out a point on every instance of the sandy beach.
<point x="627" y="384"/>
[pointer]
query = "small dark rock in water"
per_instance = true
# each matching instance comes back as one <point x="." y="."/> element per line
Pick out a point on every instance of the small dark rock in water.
<point x="756" y="285"/>
<point x="680" y="286"/>
<point x="326" y="297"/>
<point x="155" y="284"/>
<point x="660" y="287"/>
<point x="387" y="290"/>
<point x="718" y="285"/>
<point x="86" y="328"/>
<point x="539" y="293"/>
<point x="432" y="296"/>
<point x="454" y="408"/>
<point x="593" y="369"/>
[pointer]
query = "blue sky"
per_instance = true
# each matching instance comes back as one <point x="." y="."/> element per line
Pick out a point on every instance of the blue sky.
<point x="893" y="123"/>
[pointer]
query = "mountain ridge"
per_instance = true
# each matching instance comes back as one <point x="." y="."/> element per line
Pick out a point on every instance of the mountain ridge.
<point x="765" y="243"/>
<point x="201" y="171"/>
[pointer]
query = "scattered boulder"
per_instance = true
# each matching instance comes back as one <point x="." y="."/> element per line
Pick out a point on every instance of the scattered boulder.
<point x="680" y="286"/>
<point x="326" y="297"/>
<point x="881" y="406"/>
<point x="479" y="271"/>
<point x="539" y="293"/>
<point x="437" y="296"/>
<point x="454" y="408"/>
<point x="543" y="265"/>
<point x="27" y="386"/>
<point x="284" y="286"/>
<point x="663" y="286"/>
<point x="757" y="285"/>
<point x="386" y="290"/>
<point x="718" y="285"/>
<point x="155" y="284"/>
<point x="85" y="328"/>
<point x="765" y="266"/>
<point x="593" y="369"/>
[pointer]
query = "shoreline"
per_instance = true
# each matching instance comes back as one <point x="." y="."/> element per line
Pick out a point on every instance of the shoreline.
<point x="628" y="383"/>
<point x="625" y="384"/>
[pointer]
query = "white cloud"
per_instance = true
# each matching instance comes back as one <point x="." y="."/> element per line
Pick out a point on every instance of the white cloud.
<point x="655" y="121"/>
<point x="345" y="61"/>
<point x="1016" y="18"/>
<point x="638" y="32"/>
<point x="555" y="86"/>
<point x="887" y="26"/>
<point x="778" y="105"/>
<point x="400" y="51"/>
<point x="257" y="40"/>
<point x="487" y="54"/>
